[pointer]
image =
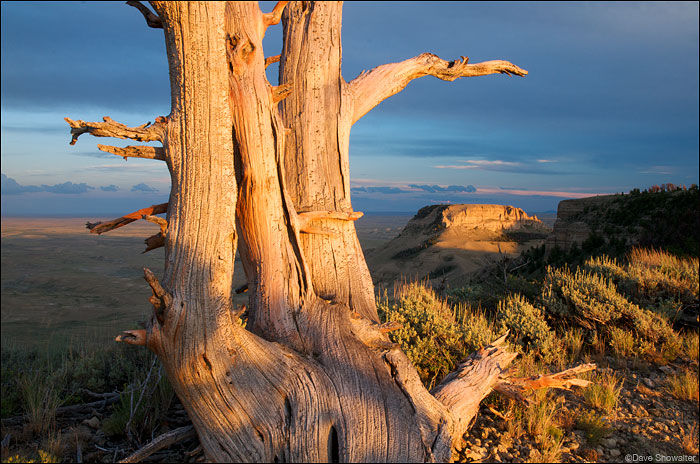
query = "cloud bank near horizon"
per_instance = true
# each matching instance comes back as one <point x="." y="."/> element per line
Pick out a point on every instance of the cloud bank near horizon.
<point x="9" y="186"/>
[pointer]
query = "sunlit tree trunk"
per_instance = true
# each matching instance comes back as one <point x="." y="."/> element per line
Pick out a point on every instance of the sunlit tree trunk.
<point x="312" y="376"/>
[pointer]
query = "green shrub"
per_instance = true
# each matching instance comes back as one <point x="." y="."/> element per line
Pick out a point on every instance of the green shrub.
<point x="591" y="301"/>
<point x="434" y="335"/>
<point x="652" y="278"/>
<point x="527" y="323"/>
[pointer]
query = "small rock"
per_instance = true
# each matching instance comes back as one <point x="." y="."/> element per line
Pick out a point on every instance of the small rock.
<point x="599" y="450"/>
<point x="615" y="452"/>
<point x="647" y="381"/>
<point x="477" y="453"/>
<point x="667" y="370"/>
<point x="94" y="422"/>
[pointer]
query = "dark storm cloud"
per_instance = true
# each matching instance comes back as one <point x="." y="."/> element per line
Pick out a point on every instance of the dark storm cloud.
<point x="109" y="188"/>
<point x="143" y="188"/>
<point x="451" y="188"/>
<point x="582" y="92"/>
<point x="67" y="187"/>
<point x="11" y="187"/>
<point x="44" y="68"/>
<point x="93" y="154"/>
<point x="388" y="190"/>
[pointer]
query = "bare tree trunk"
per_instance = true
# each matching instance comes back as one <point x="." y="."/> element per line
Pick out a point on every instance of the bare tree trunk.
<point x="313" y="376"/>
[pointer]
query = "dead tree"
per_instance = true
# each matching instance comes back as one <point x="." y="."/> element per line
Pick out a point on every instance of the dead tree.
<point x="313" y="376"/>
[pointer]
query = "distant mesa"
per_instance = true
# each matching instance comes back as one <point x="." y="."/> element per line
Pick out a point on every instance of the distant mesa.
<point x="666" y="218"/>
<point x="448" y="243"/>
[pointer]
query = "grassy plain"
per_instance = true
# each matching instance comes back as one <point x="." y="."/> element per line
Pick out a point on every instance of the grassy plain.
<point x="62" y="285"/>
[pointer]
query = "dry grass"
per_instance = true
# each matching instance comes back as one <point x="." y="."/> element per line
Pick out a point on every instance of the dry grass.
<point x="540" y="422"/>
<point x="689" y="439"/>
<point x="691" y="346"/>
<point x="594" y="426"/>
<point x="53" y="446"/>
<point x="622" y="342"/>
<point x="684" y="386"/>
<point x="40" y="402"/>
<point x="647" y="391"/>
<point x="604" y="392"/>
<point x="573" y="340"/>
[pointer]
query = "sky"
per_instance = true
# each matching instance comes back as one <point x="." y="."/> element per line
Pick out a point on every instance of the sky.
<point x="610" y="103"/>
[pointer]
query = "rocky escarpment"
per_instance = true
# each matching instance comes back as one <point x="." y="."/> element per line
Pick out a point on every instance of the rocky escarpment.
<point x="495" y="218"/>
<point x="574" y="221"/>
<point x="450" y="242"/>
<point x="611" y="224"/>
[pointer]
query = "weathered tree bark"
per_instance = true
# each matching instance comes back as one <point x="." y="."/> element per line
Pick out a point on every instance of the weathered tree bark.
<point x="312" y="376"/>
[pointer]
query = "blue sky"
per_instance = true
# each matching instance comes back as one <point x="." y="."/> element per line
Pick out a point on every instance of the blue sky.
<point x="610" y="103"/>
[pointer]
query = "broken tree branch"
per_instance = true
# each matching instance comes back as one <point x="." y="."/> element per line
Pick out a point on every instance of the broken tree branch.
<point x="102" y="227"/>
<point x="161" y="299"/>
<point x="316" y="231"/>
<point x="305" y="218"/>
<point x="517" y="388"/>
<point x="281" y="92"/>
<point x="163" y="441"/>
<point x="371" y="88"/>
<point x="242" y="289"/>
<point x="464" y="388"/>
<point x="272" y="18"/>
<point x="134" y="151"/>
<point x="272" y="59"/>
<point x="390" y="326"/>
<point x="157" y="220"/>
<point x="67" y="410"/>
<point x="153" y="242"/>
<point x="110" y="128"/>
<point x="132" y="337"/>
<point x="152" y="19"/>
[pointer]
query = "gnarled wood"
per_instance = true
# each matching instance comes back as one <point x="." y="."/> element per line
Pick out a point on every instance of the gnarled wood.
<point x="151" y="19"/>
<point x="102" y="227"/>
<point x="163" y="441"/>
<point x="371" y="88"/>
<point x="272" y="59"/>
<point x="313" y="376"/>
<point x="109" y="128"/>
<point x="134" y="152"/>
<point x="154" y="242"/>
<point x="462" y="390"/>
<point x="517" y="388"/>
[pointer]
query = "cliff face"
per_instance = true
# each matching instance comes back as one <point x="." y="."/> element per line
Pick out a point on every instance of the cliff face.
<point x="612" y="224"/>
<point x="451" y="242"/>
<point x="573" y="221"/>
<point x="495" y="218"/>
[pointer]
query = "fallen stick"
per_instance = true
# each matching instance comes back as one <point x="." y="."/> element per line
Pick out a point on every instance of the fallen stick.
<point x="161" y="442"/>
<point x="64" y="410"/>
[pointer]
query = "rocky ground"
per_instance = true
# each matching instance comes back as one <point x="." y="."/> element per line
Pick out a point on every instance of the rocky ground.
<point x="648" y="423"/>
